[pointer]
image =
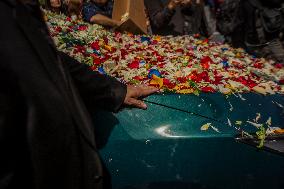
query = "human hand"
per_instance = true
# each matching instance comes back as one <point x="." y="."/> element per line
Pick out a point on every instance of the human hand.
<point x="174" y="3"/>
<point x="138" y="91"/>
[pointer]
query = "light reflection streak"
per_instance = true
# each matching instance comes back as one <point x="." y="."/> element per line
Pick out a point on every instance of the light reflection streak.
<point x="165" y="132"/>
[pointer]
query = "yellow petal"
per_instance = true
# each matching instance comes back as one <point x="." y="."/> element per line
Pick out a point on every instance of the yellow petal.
<point x="185" y="91"/>
<point x="157" y="81"/>
<point x="157" y="38"/>
<point x="238" y="122"/>
<point x="259" y="90"/>
<point x="205" y="127"/>
<point x="279" y="131"/>
<point x="107" y="47"/>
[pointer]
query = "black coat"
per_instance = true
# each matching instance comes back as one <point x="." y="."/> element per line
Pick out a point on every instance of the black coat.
<point x="46" y="134"/>
<point x="186" y="20"/>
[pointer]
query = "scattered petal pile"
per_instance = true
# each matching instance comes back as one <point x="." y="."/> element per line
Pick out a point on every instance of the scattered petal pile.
<point x="177" y="64"/>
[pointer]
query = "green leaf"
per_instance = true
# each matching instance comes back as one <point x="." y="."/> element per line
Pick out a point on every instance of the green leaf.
<point x="192" y="84"/>
<point x="261" y="135"/>
<point x="196" y="92"/>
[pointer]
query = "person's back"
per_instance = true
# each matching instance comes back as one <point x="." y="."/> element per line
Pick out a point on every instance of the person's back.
<point x="47" y="137"/>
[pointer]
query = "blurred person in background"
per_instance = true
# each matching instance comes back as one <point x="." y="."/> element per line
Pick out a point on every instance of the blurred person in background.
<point x="229" y="21"/>
<point x="74" y="9"/>
<point x="176" y="17"/>
<point x="56" y="6"/>
<point x="255" y="25"/>
<point x="210" y="10"/>
<point x="263" y="27"/>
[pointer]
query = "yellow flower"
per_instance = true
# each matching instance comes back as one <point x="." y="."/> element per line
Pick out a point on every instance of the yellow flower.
<point x="157" y="81"/>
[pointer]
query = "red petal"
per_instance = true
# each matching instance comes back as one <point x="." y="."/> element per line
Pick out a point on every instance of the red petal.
<point x="134" y="64"/>
<point x="168" y="84"/>
<point x="207" y="89"/>
<point x="95" y="45"/>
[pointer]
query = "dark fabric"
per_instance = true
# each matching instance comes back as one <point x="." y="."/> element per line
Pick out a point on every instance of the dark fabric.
<point x="46" y="133"/>
<point x="159" y="17"/>
<point x="181" y="21"/>
<point x="194" y="20"/>
<point x="269" y="20"/>
<point x="252" y="36"/>
<point x="253" y="26"/>
<point x="90" y="9"/>
<point x="249" y="25"/>
<point x="228" y="17"/>
<point x="272" y="3"/>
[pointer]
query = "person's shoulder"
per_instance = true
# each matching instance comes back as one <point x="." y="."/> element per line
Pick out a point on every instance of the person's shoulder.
<point x="6" y="10"/>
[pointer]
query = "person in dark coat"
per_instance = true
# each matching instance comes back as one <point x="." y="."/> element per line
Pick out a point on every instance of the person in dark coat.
<point x="46" y="134"/>
<point x="176" y="17"/>
<point x="261" y="28"/>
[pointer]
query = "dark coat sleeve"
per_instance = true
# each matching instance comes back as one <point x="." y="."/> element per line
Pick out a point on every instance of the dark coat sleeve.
<point x="159" y="14"/>
<point x="95" y="89"/>
<point x="12" y="130"/>
<point x="6" y="128"/>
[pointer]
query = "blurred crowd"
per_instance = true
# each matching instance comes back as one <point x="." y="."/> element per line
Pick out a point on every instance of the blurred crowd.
<point x="255" y="25"/>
